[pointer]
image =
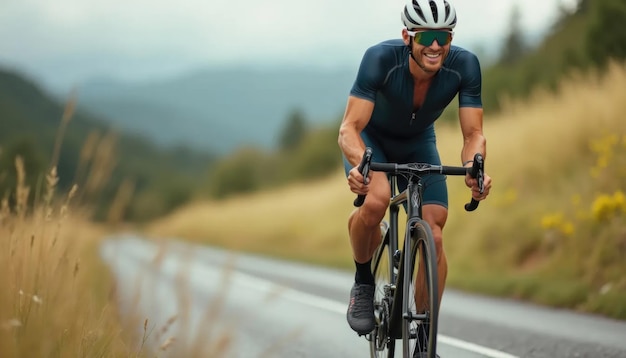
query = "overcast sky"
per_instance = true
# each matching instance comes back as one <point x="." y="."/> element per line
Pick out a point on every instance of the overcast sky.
<point x="62" y="42"/>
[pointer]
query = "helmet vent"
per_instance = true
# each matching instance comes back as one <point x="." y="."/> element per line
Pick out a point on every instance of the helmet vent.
<point x="437" y="14"/>
<point x="433" y="9"/>
<point x="419" y="11"/>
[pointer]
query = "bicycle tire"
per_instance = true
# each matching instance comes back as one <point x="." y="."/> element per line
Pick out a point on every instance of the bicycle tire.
<point x="419" y="324"/>
<point x="381" y="344"/>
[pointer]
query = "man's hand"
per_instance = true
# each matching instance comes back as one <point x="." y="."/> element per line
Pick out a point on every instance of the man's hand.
<point x="472" y="183"/>
<point x="356" y="183"/>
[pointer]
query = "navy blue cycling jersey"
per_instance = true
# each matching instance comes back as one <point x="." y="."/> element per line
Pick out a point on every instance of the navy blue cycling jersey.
<point x="397" y="132"/>
<point x="384" y="78"/>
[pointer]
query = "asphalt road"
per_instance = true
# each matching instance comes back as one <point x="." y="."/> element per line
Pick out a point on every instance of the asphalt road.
<point x="237" y="305"/>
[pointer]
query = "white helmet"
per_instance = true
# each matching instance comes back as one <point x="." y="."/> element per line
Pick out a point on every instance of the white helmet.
<point x="435" y="14"/>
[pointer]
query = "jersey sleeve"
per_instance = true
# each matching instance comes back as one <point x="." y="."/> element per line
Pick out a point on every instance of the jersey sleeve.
<point x="471" y="82"/>
<point x="369" y="78"/>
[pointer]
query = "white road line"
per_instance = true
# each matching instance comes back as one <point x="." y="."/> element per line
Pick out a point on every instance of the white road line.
<point x="340" y="308"/>
<point x="267" y="286"/>
<point x="472" y="347"/>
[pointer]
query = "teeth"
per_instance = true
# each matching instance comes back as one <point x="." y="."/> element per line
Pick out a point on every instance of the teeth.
<point x="432" y="55"/>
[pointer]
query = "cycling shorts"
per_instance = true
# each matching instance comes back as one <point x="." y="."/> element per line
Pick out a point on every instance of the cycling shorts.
<point x="420" y="149"/>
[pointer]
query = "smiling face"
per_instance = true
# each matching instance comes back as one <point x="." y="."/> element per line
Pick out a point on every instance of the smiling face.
<point x="429" y="47"/>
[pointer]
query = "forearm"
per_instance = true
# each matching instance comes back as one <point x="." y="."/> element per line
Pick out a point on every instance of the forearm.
<point x="351" y="144"/>
<point x="472" y="129"/>
<point x="472" y="144"/>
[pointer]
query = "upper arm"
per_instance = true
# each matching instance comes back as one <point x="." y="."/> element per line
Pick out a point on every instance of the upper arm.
<point x="470" y="96"/>
<point x="369" y="81"/>
<point x="470" y="91"/>
<point x="371" y="75"/>
<point x="358" y="114"/>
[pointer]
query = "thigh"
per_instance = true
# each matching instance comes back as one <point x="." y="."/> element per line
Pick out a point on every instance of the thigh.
<point x="436" y="216"/>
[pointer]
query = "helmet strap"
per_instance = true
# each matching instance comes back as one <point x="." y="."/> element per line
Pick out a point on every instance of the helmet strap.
<point x="413" y="57"/>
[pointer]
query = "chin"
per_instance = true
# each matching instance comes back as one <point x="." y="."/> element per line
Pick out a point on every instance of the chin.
<point x="432" y="68"/>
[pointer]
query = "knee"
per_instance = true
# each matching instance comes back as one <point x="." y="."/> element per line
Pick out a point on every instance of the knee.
<point x="436" y="217"/>
<point x="438" y="237"/>
<point x="441" y="256"/>
<point x="373" y="211"/>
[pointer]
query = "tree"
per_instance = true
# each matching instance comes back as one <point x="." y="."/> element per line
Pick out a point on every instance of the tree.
<point x="241" y="172"/>
<point x="606" y="38"/>
<point x="318" y="155"/>
<point x="514" y="44"/>
<point x="294" y="131"/>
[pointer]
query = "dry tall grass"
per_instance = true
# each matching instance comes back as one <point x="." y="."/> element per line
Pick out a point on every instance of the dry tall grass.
<point x="53" y="302"/>
<point x="546" y="156"/>
<point x="554" y="230"/>
<point x="55" y="292"/>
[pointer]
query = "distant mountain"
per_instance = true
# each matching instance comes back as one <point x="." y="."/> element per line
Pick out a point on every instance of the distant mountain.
<point x="220" y="109"/>
<point x="29" y="123"/>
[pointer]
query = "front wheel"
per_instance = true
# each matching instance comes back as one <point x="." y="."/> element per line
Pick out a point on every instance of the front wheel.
<point x="381" y="345"/>
<point x="420" y="294"/>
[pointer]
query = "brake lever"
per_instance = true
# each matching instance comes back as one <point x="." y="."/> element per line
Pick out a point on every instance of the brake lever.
<point x="477" y="171"/>
<point x="364" y="169"/>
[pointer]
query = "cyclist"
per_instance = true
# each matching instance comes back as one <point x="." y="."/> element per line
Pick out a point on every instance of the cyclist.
<point x="401" y="88"/>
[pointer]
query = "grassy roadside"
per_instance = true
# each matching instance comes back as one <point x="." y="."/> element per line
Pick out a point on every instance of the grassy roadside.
<point x="56" y="297"/>
<point x="553" y="231"/>
<point x="54" y="301"/>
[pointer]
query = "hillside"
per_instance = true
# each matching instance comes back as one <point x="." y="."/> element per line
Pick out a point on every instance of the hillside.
<point x="553" y="230"/>
<point x="92" y="153"/>
<point x="580" y="39"/>
<point x="220" y="109"/>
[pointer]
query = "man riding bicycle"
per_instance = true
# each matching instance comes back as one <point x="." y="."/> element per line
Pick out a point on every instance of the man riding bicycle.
<point x="402" y="87"/>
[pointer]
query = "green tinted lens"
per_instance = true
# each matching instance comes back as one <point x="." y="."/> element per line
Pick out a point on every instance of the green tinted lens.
<point x="426" y="38"/>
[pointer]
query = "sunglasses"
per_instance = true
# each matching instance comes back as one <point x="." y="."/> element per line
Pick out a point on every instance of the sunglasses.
<point x="427" y="37"/>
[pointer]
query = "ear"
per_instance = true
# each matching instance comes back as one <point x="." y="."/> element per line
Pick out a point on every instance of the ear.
<point x="406" y="37"/>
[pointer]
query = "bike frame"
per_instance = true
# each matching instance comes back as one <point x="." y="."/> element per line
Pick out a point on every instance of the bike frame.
<point x="401" y="261"/>
<point x="412" y="197"/>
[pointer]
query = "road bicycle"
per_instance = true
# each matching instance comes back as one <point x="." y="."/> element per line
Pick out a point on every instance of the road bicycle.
<point x="400" y="314"/>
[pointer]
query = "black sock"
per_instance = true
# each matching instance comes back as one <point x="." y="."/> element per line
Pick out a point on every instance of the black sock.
<point x="364" y="273"/>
